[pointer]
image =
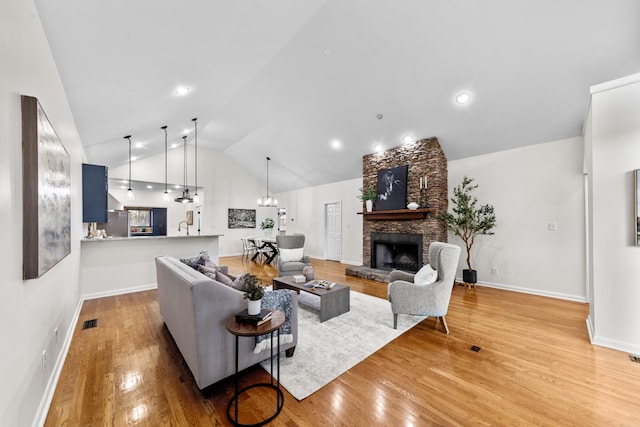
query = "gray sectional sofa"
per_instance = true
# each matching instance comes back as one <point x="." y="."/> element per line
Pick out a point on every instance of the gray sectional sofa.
<point x="195" y="309"/>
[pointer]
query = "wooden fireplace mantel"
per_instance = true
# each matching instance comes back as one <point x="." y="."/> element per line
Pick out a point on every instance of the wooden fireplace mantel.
<point x="420" y="213"/>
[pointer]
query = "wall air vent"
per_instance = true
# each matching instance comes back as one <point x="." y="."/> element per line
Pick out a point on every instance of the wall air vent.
<point x="90" y="324"/>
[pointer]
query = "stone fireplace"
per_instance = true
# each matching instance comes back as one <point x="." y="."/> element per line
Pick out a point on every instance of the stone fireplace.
<point x="425" y="159"/>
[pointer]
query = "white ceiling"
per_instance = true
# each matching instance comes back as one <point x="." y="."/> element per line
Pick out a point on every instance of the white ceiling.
<point x="283" y="78"/>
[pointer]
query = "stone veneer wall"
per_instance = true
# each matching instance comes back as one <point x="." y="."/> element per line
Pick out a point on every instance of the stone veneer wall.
<point x="425" y="158"/>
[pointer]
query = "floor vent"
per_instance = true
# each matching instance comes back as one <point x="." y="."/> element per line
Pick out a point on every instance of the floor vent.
<point x="90" y="324"/>
<point x="475" y="348"/>
<point x="634" y="358"/>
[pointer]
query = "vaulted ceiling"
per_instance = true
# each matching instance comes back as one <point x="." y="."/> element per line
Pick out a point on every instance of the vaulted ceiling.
<point x="290" y="78"/>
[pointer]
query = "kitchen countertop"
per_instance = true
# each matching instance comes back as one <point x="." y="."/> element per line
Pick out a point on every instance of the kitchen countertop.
<point x="182" y="236"/>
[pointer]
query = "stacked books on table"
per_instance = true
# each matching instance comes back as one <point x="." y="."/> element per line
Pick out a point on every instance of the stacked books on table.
<point x="254" y="319"/>
<point x="319" y="284"/>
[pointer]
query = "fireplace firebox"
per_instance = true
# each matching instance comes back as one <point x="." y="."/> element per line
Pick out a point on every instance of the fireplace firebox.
<point x="399" y="251"/>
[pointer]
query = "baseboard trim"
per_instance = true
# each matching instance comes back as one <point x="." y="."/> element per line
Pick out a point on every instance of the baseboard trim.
<point x="115" y="292"/>
<point x="52" y="384"/>
<point x="568" y="297"/>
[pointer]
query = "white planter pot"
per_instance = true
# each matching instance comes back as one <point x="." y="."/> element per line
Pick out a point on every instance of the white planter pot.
<point x="254" y="306"/>
<point x="268" y="232"/>
<point x="369" y="204"/>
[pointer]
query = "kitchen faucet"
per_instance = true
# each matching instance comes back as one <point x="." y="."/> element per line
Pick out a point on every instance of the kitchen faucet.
<point x="186" y="224"/>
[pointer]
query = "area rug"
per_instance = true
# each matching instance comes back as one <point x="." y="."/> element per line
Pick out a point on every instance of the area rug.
<point x="327" y="350"/>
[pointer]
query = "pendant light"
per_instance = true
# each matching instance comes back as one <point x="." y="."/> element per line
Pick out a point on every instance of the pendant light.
<point x="196" y="199"/>
<point x="185" y="198"/>
<point x="129" y="190"/>
<point x="267" y="201"/>
<point x="165" y="196"/>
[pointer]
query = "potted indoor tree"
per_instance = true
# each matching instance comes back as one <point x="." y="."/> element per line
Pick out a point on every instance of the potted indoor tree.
<point x="368" y="195"/>
<point x="254" y="293"/>
<point x="469" y="220"/>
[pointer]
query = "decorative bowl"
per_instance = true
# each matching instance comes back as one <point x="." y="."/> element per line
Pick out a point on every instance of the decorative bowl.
<point x="413" y="206"/>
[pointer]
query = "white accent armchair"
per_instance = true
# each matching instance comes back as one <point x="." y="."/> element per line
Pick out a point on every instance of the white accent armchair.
<point x="406" y="297"/>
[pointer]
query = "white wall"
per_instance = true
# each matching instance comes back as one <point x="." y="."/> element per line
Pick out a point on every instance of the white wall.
<point x="31" y="310"/>
<point x="615" y="134"/>
<point x="530" y="187"/>
<point x="305" y="211"/>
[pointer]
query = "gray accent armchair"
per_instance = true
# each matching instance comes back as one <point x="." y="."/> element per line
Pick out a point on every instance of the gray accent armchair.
<point x="291" y="268"/>
<point x="426" y="300"/>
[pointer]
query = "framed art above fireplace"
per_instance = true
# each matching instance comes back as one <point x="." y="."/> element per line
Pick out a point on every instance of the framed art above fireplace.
<point x="392" y="188"/>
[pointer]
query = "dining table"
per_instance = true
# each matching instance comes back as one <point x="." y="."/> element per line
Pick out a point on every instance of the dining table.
<point x="267" y="247"/>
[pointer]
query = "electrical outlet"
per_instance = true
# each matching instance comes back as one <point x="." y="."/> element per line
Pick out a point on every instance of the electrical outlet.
<point x="552" y="226"/>
<point x="494" y="271"/>
<point x="44" y="360"/>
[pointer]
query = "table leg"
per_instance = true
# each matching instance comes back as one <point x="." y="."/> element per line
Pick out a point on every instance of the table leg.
<point x="236" y="380"/>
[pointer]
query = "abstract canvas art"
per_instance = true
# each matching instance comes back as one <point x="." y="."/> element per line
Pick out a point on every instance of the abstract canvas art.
<point x="242" y="218"/>
<point x="46" y="184"/>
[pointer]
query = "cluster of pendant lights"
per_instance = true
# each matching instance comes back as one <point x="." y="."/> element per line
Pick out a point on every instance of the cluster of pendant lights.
<point x="186" y="195"/>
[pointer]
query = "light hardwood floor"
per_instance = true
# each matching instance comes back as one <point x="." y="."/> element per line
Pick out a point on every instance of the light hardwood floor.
<point x="535" y="367"/>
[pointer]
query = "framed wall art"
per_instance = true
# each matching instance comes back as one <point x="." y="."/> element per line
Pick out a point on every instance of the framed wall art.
<point x="392" y="188"/>
<point x="46" y="192"/>
<point x="636" y="204"/>
<point x="242" y="218"/>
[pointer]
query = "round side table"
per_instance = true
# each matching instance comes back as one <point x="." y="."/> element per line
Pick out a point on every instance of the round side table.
<point x="248" y="330"/>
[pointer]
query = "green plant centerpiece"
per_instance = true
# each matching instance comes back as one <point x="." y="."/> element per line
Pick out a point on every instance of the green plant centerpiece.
<point x="252" y="289"/>
<point x="268" y="223"/>
<point x="469" y="220"/>
<point x="253" y="292"/>
<point x="368" y="195"/>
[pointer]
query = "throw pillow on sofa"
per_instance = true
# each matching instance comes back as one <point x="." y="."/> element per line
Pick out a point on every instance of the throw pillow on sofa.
<point x="197" y="260"/>
<point x="223" y="278"/>
<point x="238" y="283"/>
<point x="207" y="271"/>
<point x="193" y="261"/>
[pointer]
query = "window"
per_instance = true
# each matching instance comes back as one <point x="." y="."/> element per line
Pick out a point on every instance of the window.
<point x="139" y="217"/>
<point x="282" y="219"/>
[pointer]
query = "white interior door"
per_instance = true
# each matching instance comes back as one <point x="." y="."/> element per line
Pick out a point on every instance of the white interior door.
<point x="333" y="231"/>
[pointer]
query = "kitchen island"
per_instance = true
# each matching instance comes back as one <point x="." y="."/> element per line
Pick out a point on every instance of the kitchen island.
<point x="116" y="265"/>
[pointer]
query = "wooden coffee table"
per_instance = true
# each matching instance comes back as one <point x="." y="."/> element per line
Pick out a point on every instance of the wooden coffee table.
<point x="333" y="302"/>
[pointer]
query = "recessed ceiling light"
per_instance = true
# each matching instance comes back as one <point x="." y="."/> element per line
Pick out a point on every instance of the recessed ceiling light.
<point x="379" y="116"/>
<point x="183" y="90"/>
<point x="186" y="131"/>
<point x="462" y="98"/>
<point x="177" y="186"/>
<point x="134" y="158"/>
<point x="377" y="148"/>
<point x="149" y="187"/>
<point x="175" y="145"/>
<point x="124" y="181"/>
<point x="335" y="144"/>
<point x="123" y="186"/>
<point x="408" y="139"/>
<point x="139" y="145"/>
